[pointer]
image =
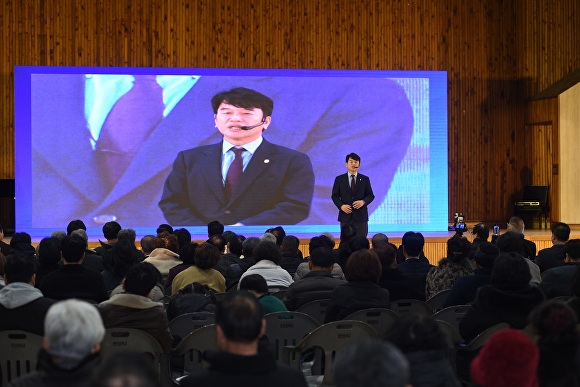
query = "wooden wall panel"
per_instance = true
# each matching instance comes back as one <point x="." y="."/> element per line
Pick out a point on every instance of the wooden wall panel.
<point x="569" y="156"/>
<point x="497" y="54"/>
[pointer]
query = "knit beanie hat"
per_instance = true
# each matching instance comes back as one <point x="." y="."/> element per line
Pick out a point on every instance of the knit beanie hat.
<point x="485" y="255"/>
<point x="508" y="359"/>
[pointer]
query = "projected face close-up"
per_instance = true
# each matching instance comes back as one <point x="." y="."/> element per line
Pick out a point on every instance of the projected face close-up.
<point x="101" y="144"/>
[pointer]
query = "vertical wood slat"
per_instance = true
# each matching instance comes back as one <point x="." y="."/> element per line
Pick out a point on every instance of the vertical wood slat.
<point x="496" y="53"/>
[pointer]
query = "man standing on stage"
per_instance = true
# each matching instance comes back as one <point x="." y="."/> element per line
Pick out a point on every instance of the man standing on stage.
<point x="351" y="194"/>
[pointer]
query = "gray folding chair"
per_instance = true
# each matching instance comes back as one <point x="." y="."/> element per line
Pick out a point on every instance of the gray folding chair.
<point x="437" y="300"/>
<point x="407" y="306"/>
<point x="452" y="314"/>
<point x="334" y="338"/>
<point x="128" y="339"/>
<point x="18" y="354"/>
<point x="381" y="319"/>
<point x="316" y="309"/>
<point x="184" y="324"/>
<point x="288" y="328"/>
<point x="191" y="349"/>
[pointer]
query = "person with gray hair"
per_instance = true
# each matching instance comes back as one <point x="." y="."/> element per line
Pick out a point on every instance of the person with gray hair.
<point x="268" y="237"/>
<point x="372" y="363"/>
<point x="130" y="235"/>
<point x="72" y="341"/>
<point x="148" y="244"/>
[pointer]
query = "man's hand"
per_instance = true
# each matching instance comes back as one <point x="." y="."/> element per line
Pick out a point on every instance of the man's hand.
<point x="358" y="204"/>
<point x="346" y="208"/>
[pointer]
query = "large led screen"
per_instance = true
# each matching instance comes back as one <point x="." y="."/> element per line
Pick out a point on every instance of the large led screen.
<point x="143" y="146"/>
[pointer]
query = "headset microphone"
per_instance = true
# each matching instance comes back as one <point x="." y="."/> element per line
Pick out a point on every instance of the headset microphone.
<point x="253" y="126"/>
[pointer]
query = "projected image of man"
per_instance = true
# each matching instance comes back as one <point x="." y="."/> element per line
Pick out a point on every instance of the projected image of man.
<point x="244" y="179"/>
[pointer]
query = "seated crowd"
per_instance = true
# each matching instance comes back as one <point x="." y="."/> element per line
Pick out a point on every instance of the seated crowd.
<point x="242" y="279"/>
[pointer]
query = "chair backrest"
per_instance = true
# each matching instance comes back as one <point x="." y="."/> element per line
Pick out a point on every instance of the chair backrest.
<point x="193" y="345"/>
<point x="483" y="337"/>
<point x="408" y="306"/>
<point x="18" y="354"/>
<point x="381" y="319"/>
<point x="128" y="339"/>
<point x="184" y="324"/>
<point x="452" y="335"/>
<point x="316" y="309"/>
<point x="334" y="338"/>
<point x="437" y="300"/>
<point x="288" y="328"/>
<point x="452" y="314"/>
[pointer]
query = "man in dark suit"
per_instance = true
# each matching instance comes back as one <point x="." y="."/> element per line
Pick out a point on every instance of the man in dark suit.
<point x="558" y="281"/>
<point x="351" y="194"/>
<point x="554" y="256"/>
<point x="244" y="179"/>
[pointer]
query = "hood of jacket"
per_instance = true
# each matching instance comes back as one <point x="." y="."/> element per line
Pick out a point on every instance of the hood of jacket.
<point x="16" y="294"/>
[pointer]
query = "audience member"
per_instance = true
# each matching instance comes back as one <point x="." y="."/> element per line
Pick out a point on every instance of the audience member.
<point x="240" y="361"/>
<point x="72" y="279"/>
<point x="317" y="284"/>
<point x="183" y="237"/>
<point x="58" y="234"/>
<point x="72" y="341"/>
<point x="517" y="225"/>
<point x="509" y="359"/>
<point x="400" y="286"/>
<point x="291" y="256"/>
<point x="225" y="242"/>
<point x="235" y="270"/>
<point x="555" y="328"/>
<point x="4" y="247"/>
<point x="76" y="224"/>
<point x="481" y="233"/>
<point x="558" y="281"/>
<point x="456" y="265"/>
<point x="205" y="258"/>
<point x="133" y="309"/>
<point x="22" y="306"/>
<point x="268" y="237"/>
<point x="164" y="227"/>
<point x="554" y="256"/>
<point x="214" y="228"/>
<point x="256" y="285"/>
<point x="2" y="264"/>
<point x="92" y="260"/>
<point x="509" y="298"/>
<point x="363" y="270"/>
<point x="110" y="232"/>
<point x="118" y="260"/>
<point x="464" y="290"/>
<point x="279" y="233"/>
<point x="425" y="346"/>
<point x="21" y="243"/>
<point x="316" y="242"/>
<point x="187" y="255"/>
<point x="148" y="244"/>
<point x="380" y="240"/>
<point x="347" y="232"/>
<point x="371" y="363"/>
<point x="412" y="246"/>
<point x="509" y="242"/>
<point x="267" y="256"/>
<point x="130" y="235"/>
<point x="126" y="369"/>
<point x="48" y="258"/>
<point x="166" y="255"/>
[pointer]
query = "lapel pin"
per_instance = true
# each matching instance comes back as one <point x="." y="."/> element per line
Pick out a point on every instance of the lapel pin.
<point x="266" y="161"/>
